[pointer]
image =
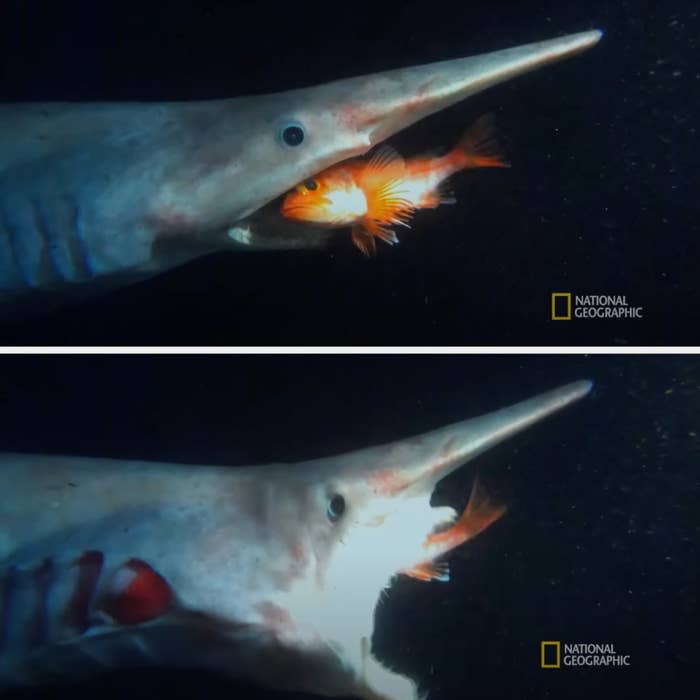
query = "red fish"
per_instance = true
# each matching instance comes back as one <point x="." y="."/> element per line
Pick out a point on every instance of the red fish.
<point x="477" y="516"/>
<point x="372" y="195"/>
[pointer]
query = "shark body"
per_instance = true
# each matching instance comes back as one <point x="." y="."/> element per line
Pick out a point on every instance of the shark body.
<point x="92" y="192"/>
<point x="268" y="573"/>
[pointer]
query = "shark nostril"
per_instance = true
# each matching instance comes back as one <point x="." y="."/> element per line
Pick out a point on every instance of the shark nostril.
<point x="336" y="508"/>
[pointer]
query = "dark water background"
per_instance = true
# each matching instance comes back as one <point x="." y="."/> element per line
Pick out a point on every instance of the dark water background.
<point x="601" y="199"/>
<point x="600" y="542"/>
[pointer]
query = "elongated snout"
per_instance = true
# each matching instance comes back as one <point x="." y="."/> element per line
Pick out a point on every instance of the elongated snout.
<point x="415" y="465"/>
<point x="393" y="100"/>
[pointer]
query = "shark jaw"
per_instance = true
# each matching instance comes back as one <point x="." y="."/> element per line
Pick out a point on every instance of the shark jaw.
<point x="335" y="615"/>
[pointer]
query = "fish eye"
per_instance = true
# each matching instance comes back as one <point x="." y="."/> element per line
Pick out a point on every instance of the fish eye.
<point x="310" y="184"/>
<point x="292" y="134"/>
<point x="336" y="508"/>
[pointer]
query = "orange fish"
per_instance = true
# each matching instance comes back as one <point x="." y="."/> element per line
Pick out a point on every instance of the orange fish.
<point x="477" y="516"/>
<point x="372" y="195"/>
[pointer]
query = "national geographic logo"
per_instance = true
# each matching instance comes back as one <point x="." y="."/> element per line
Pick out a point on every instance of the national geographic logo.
<point x="566" y="306"/>
<point x="580" y="655"/>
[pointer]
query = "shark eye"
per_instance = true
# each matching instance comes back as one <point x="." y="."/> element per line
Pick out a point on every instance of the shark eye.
<point x="336" y="508"/>
<point x="292" y="134"/>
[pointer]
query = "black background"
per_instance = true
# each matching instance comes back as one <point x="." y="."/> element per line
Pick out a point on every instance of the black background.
<point x="601" y="197"/>
<point x="599" y="543"/>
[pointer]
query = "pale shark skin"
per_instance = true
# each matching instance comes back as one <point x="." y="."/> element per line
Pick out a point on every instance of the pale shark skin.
<point x="267" y="586"/>
<point x="90" y="191"/>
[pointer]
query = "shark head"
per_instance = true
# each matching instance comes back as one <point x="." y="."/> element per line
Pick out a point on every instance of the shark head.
<point x="251" y="150"/>
<point x="362" y="518"/>
<point x="313" y="128"/>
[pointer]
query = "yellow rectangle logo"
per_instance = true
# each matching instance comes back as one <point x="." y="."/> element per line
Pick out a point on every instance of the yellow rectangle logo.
<point x="543" y="655"/>
<point x="566" y="316"/>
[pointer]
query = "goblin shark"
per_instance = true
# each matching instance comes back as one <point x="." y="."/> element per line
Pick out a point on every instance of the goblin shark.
<point x="268" y="573"/>
<point x="90" y="192"/>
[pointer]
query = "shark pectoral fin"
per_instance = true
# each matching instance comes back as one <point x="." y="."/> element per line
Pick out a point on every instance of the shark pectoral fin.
<point x="478" y="515"/>
<point x="430" y="571"/>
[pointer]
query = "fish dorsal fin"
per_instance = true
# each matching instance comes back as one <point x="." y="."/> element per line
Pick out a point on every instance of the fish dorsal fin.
<point x="385" y="157"/>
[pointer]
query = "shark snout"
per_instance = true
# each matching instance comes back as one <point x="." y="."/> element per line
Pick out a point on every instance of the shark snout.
<point x="382" y="104"/>
<point x="413" y="533"/>
<point x="414" y="466"/>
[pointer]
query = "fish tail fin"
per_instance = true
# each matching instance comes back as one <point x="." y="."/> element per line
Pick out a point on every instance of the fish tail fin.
<point x="479" y="146"/>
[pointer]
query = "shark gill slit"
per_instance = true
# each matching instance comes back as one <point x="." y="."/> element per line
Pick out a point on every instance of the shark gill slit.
<point x="76" y="243"/>
<point x="7" y="584"/>
<point x="49" y="263"/>
<point x="43" y="578"/>
<point x="13" y="244"/>
<point x="90" y="565"/>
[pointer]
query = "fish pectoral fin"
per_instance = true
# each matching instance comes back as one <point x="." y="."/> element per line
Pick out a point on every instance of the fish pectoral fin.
<point x="430" y="571"/>
<point x="389" y="203"/>
<point x="363" y="240"/>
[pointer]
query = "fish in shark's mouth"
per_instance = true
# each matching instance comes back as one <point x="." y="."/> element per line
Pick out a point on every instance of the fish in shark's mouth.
<point x="268" y="573"/>
<point x="373" y="195"/>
